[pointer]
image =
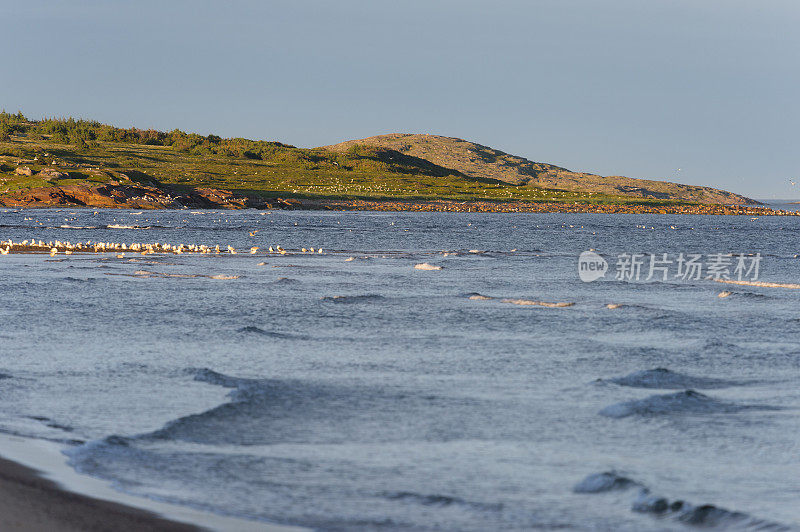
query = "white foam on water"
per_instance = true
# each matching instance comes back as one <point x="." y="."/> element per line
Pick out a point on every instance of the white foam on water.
<point x="531" y="302"/>
<point x="426" y="266"/>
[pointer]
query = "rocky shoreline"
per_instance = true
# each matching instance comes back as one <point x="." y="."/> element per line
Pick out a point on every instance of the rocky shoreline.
<point x="141" y="196"/>
<point x="537" y="207"/>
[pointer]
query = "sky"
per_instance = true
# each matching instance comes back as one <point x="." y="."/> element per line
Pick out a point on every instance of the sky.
<point x="636" y="88"/>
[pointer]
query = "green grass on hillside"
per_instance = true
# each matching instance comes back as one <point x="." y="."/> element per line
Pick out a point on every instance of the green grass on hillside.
<point x="93" y="152"/>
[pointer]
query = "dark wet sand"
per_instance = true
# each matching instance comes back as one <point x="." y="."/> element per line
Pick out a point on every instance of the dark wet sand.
<point x="29" y="502"/>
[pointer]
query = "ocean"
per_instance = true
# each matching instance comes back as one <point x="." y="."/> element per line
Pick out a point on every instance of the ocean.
<point x="349" y="390"/>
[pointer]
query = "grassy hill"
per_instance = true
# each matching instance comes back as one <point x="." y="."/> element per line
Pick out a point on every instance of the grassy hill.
<point x="483" y="162"/>
<point x="56" y="153"/>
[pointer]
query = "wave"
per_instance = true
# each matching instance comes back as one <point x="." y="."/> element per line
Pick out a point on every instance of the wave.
<point x="720" y="345"/>
<point x="285" y="280"/>
<point x="666" y="379"/>
<point x="122" y="226"/>
<point x="146" y="274"/>
<point x="531" y="302"/>
<point x="761" y="284"/>
<point x="267" y="411"/>
<point x="84" y="280"/>
<point x="426" y="266"/>
<point x="272" y="334"/>
<point x="288" y="408"/>
<point x="475" y="296"/>
<point x="439" y="500"/>
<point x="74" y="227"/>
<point x="52" y="424"/>
<point x="614" y="306"/>
<point x="754" y="295"/>
<point x="705" y="515"/>
<point x="212" y="377"/>
<point x="686" y="402"/>
<point x="365" y="298"/>
<point x="607" y="481"/>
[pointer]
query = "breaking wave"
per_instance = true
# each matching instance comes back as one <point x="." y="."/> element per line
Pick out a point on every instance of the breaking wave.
<point x="270" y="411"/>
<point x="531" y="302"/>
<point x="426" y="266"/>
<point x="121" y="226"/>
<point x="705" y="515"/>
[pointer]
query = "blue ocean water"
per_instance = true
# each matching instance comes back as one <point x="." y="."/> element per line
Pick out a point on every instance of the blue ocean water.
<point x="348" y="390"/>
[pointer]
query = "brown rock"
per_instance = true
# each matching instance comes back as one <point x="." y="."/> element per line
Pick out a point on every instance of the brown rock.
<point x="24" y="170"/>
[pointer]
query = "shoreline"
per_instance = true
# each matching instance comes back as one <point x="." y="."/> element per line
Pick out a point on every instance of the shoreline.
<point x="539" y="207"/>
<point x="409" y="205"/>
<point x="39" y="491"/>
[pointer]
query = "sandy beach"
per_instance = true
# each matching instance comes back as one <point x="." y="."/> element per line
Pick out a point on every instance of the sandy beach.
<point x="39" y="491"/>
<point x="29" y="502"/>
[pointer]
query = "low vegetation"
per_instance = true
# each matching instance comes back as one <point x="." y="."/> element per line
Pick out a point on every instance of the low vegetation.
<point x="62" y="151"/>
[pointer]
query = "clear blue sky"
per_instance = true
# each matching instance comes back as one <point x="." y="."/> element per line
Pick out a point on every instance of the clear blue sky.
<point x="637" y="88"/>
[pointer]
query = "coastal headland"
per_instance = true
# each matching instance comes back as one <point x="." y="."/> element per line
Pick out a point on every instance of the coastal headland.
<point x="80" y="163"/>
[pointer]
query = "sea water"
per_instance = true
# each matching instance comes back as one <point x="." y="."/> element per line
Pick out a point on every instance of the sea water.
<point x="349" y="390"/>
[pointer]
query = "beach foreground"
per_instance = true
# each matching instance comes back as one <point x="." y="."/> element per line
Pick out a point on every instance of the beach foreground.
<point x="29" y="502"/>
<point x="39" y="491"/>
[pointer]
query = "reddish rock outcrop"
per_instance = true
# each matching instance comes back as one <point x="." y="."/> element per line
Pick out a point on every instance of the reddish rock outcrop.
<point x="128" y="196"/>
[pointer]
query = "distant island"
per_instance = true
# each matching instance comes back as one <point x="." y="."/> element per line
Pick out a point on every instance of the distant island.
<point x="71" y="162"/>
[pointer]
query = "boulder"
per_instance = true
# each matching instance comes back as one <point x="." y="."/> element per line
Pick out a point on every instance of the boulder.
<point x="24" y="170"/>
<point x="52" y="173"/>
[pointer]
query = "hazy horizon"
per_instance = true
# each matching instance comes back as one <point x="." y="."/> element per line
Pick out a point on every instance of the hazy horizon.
<point x="622" y="88"/>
